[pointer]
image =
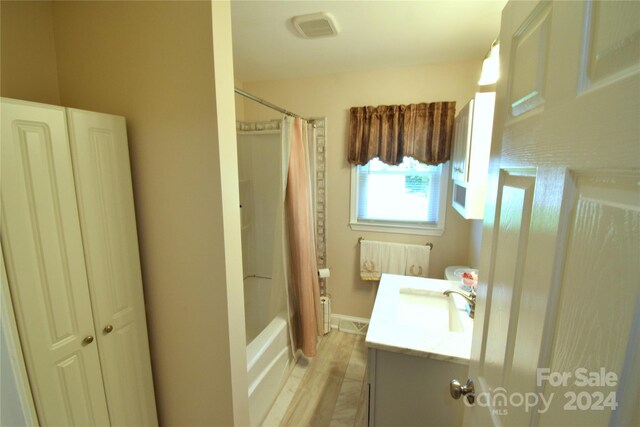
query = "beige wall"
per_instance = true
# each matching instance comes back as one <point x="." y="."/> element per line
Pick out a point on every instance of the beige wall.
<point x="154" y="63"/>
<point x="331" y="96"/>
<point x="227" y="146"/>
<point x="27" y="52"/>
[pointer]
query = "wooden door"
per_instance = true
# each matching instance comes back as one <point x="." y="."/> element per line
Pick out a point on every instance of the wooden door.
<point x="559" y="296"/>
<point x="45" y="265"/>
<point x="101" y="167"/>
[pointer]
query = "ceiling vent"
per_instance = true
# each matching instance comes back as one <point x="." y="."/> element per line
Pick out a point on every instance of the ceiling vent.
<point x="315" y="25"/>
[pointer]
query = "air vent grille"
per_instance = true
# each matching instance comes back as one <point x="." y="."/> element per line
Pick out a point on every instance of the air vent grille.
<point x="315" y="25"/>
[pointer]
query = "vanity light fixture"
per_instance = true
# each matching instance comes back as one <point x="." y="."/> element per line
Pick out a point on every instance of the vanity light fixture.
<point x="491" y="65"/>
<point x="315" y="25"/>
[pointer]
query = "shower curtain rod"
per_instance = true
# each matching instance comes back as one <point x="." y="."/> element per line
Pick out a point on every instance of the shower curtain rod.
<point x="268" y="104"/>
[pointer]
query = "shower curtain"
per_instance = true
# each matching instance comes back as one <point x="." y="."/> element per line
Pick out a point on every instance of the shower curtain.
<point x="307" y="317"/>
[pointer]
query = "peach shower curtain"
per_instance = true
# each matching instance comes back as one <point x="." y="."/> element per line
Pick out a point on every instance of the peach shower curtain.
<point x="305" y="287"/>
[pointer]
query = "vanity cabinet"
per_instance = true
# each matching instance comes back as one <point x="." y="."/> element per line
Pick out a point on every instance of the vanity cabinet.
<point x="461" y="143"/>
<point x="70" y="244"/>
<point x="418" y="341"/>
<point x="409" y="390"/>
<point x="470" y="156"/>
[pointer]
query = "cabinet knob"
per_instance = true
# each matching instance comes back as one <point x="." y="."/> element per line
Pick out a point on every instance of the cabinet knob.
<point x="108" y="329"/>
<point x="457" y="390"/>
<point x="87" y="340"/>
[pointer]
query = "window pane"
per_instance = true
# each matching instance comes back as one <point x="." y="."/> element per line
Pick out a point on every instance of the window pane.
<point x="408" y="192"/>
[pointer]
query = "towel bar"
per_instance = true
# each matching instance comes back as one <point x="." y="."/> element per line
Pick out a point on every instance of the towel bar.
<point x="360" y="239"/>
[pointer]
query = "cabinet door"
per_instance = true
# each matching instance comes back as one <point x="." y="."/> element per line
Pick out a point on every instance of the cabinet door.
<point x="46" y="267"/>
<point x="461" y="149"/>
<point x="105" y="200"/>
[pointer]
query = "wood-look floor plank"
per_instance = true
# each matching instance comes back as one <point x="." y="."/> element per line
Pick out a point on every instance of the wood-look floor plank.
<point x="346" y="407"/>
<point x="326" y="406"/>
<point x="362" y="414"/>
<point x="318" y="392"/>
<point x="358" y="360"/>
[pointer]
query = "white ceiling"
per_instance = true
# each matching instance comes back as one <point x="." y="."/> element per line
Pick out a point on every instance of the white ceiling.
<point x="373" y="35"/>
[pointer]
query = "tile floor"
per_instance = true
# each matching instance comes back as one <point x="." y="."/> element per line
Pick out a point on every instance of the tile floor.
<point x="327" y="390"/>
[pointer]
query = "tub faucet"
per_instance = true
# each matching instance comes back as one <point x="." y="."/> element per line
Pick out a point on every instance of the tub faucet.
<point x="470" y="297"/>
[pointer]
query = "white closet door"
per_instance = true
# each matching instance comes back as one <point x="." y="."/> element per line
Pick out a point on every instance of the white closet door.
<point x="105" y="200"/>
<point x="45" y="265"/>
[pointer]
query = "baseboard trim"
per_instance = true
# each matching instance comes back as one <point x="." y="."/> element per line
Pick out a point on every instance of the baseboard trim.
<point x="349" y="324"/>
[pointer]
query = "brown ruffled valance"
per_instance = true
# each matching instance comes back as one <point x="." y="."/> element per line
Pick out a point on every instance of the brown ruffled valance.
<point x="391" y="132"/>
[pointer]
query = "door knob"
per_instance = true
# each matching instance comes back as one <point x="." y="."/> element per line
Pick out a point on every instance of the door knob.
<point x="87" y="340"/>
<point x="108" y="329"/>
<point x="456" y="389"/>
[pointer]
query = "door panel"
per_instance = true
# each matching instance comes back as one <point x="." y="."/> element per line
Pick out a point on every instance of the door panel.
<point x="515" y="203"/>
<point x="103" y="179"/>
<point x="529" y="61"/>
<point x="593" y="328"/>
<point x="610" y="51"/>
<point x="45" y="265"/>
<point x="74" y="390"/>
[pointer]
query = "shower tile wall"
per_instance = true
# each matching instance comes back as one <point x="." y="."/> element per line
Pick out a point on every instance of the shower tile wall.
<point x="320" y="193"/>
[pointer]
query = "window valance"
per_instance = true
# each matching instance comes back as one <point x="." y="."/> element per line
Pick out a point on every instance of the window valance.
<point x="391" y="132"/>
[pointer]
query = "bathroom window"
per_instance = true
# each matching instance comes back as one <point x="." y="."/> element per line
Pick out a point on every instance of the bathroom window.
<point x="408" y="198"/>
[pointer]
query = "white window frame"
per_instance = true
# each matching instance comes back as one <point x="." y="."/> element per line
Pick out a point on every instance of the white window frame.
<point x="400" y="227"/>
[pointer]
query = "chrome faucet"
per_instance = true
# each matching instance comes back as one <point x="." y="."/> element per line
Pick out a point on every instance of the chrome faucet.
<point x="470" y="297"/>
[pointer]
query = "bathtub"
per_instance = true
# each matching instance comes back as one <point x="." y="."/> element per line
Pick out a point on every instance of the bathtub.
<point x="269" y="362"/>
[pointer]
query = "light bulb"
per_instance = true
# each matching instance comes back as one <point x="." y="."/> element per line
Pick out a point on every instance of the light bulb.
<point x="491" y="67"/>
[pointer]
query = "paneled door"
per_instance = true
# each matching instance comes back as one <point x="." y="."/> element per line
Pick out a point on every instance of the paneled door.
<point x="100" y="155"/>
<point x="557" y="329"/>
<point x="45" y="264"/>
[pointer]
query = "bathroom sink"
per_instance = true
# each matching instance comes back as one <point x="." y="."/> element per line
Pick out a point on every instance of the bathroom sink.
<point x="429" y="310"/>
<point x="412" y="316"/>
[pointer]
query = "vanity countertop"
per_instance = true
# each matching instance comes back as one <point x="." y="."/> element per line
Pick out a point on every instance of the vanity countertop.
<point x="401" y="323"/>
